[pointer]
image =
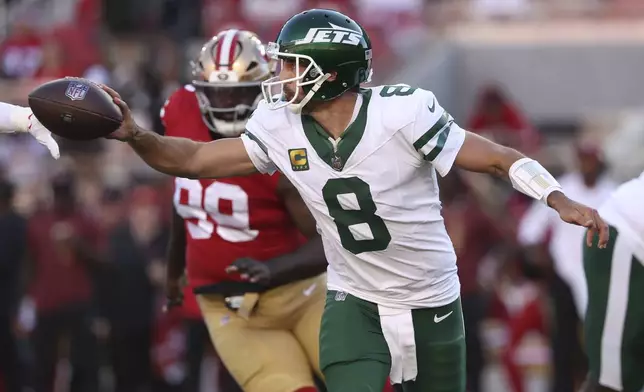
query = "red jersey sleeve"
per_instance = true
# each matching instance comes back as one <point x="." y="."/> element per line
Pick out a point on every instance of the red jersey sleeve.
<point x="182" y="117"/>
<point x="271" y="180"/>
<point x="169" y="112"/>
<point x="180" y="111"/>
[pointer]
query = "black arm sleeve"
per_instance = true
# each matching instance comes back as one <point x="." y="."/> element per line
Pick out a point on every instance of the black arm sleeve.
<point x="176" y="252"/>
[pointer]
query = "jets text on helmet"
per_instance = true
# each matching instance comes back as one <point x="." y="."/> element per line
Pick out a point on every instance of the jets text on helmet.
<point x="334" y="34"/>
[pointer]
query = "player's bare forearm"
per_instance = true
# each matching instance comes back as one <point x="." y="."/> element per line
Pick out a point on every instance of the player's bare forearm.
<point x="306" y="262"/>
<point x="478" y="154"/>
<point x="176" y="255"/>
<point x="176" y="252"/>
<point x="481" y="155"/>
<point x="190" y="159"/>
<point x="181" y="157"/>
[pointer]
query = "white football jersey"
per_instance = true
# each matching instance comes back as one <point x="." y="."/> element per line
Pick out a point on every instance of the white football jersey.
<point x="623" y="209"/>
<point x="373" y="193"/>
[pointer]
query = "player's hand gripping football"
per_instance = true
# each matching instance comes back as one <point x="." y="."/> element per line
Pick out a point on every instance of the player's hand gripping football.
<point x="43" y="136"/>
<point x="128" y="128"/>
<point x="251" y="270"/>
<point x="578" y="214"/>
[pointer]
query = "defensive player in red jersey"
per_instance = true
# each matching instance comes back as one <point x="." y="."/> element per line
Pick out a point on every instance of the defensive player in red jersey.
<point x="249" y="245"/>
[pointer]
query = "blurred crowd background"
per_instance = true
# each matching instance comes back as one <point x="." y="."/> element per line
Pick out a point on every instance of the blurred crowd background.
<point x="558" y="79"/>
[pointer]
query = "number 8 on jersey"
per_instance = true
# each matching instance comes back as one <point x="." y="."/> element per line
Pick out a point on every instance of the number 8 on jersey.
<point x="354" y="212"/>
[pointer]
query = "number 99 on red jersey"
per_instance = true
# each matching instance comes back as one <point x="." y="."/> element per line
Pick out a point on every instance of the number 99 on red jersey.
<point x="231" y="218"/>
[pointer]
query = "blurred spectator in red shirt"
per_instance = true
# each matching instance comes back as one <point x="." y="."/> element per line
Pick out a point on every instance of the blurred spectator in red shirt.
<point x="88" y="15"/>
<point x="62" y="245"/>
<point x="53" y="65"/>
<point x="219" y="15"/>
<point x="21" y="53"/>
<point x="496" y="117"/>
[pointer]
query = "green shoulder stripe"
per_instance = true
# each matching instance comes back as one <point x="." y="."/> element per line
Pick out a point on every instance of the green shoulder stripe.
<point x="442" y="138"/>
<point x="256" y="140"/>
<point x="443" y="121"/>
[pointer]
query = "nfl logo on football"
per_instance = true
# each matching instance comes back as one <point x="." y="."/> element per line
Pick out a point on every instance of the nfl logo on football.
<point x="76" y="91"/>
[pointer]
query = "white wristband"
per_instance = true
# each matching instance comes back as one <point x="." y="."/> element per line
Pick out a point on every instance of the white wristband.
<point x="530" y="178"/>
<point x="20" y="118"/>
<point x="14" y="118"/>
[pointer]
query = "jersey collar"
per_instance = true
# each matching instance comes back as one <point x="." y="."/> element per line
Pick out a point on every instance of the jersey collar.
<point x="348" y="141"/>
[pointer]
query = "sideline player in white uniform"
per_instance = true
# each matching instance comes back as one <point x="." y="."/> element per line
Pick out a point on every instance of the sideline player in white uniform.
<point x="15" y="119"/>
<point x="365" y="162"/>
<point x="614" y="324"/>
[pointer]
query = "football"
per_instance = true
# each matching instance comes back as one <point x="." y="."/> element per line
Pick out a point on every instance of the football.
<point x="75" y="108"/>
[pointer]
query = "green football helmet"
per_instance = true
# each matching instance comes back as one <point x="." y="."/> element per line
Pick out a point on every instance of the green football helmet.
<point x="324" y="41"/>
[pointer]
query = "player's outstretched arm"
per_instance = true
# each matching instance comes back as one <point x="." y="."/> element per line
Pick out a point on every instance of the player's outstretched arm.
<point x="181" y="157"/>
<point x="20" y="119"/>
<point x="479" y="154"/>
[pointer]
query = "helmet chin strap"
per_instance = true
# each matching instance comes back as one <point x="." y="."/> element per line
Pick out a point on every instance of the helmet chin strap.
<point x="296" y="108"/>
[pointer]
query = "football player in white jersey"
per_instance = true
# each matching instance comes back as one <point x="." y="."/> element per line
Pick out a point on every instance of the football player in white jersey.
<point x="14" y="119"/>
<point x="365" y="161"/>
<point x="614" y="323"/>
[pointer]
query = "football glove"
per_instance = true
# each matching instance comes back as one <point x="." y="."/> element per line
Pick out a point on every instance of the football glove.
<point x="251" y="270"/>
<point x="43" y="136"/>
